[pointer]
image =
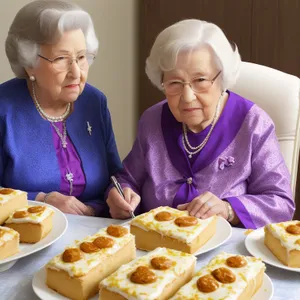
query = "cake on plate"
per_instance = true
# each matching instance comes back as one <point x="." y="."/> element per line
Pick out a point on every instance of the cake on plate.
<point x="32" y="222"/>
<point x="227" y="276"/>
<point x="9" y="242"/>
<point x="155" y="276"/>
<point x="171" y="228"/>
<point x="283" y="240"/>
<point x="77" y="271"/>
<point x="10" y="200"/>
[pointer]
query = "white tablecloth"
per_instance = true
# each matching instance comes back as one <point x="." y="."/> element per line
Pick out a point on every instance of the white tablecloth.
<point x="15" y="283"/>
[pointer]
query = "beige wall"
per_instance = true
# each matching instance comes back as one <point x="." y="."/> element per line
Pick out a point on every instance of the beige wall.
<point x="114" y="71"/>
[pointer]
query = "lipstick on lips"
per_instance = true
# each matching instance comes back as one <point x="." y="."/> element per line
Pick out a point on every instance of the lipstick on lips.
<point x="72" y="85"/>
<point x="191" y="109"/>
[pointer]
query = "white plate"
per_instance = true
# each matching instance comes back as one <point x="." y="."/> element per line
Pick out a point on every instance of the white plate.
<point x="266" y="290"/>
<point x="222" y="235"/>
<point x="60" y="225"/>
<point x="255" y="245"/>
<point x="43" y="292"/>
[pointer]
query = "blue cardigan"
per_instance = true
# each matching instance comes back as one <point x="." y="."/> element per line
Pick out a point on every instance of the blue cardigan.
<point x="27" y="154"/>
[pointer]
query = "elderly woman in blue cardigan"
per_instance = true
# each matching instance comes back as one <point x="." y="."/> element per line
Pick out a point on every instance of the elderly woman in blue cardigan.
<point x="57" y="141"/>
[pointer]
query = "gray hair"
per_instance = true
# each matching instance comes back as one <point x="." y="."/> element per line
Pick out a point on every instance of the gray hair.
<point x="188" y="35"/>
<point x="44" y="22"/>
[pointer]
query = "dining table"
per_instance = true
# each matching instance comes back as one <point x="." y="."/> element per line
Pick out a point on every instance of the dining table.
<point x="16" y="282"/>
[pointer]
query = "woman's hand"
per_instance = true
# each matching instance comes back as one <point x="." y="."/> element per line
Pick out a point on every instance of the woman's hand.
<point x="67" y="204"/>
<point x="120" y="208"/>
<point x="205" y="206"/>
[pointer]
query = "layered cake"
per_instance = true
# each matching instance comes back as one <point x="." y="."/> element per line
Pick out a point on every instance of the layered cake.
<point x="171" y="228"/>
<point x="155" y="276"/>
<point x="283" y="240"/>
<point x="9" y="242"/>
<point x="32" y="222"/>
<point x="227" y="276"/>
<point x="10" y="200"/>
<point x="77" y="271"/>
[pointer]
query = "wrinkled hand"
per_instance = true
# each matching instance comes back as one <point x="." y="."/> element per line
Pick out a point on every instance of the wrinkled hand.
<point x="120" y="208"/>
<point x="205" y="206"/>
<point x="68" y="204"/>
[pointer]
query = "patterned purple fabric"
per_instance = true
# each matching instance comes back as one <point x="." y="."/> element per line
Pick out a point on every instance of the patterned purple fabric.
<point x="253" y="178"/>
<point x="218" y="141"/>
<point x="68" y="161"/>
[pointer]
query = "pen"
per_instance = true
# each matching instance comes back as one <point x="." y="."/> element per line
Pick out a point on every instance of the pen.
<point x="120" y="191"/>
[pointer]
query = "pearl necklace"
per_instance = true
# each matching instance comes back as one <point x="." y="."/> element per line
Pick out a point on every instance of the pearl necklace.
<point x="63" y="137"/>
<point x="198" y="148"/>
<point x="44" y="114"/>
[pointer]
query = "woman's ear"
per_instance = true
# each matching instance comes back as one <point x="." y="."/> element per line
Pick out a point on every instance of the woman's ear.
<point x="29" y="71"/>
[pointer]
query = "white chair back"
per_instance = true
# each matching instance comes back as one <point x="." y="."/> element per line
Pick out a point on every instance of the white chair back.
<point x="277" y="93"/>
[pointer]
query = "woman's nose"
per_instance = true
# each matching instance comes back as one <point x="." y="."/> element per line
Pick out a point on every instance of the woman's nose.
<point x="188" y="94"/>
<point x="74" y="69"/>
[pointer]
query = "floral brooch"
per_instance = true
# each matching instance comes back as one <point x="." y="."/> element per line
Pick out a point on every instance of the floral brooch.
<point x="226" y="161"/>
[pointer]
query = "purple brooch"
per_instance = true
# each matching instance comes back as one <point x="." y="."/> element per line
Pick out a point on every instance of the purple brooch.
<point x="226" y="161"/>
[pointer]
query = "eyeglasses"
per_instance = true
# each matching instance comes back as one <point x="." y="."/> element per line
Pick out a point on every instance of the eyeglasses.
<point x="198" y="85"/>
<point x="64" y="62"/>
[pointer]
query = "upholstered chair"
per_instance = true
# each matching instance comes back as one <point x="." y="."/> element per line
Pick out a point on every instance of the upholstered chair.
<point x="278" y="94"/>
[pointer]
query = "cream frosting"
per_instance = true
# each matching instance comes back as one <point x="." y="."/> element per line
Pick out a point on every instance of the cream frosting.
<point x="35" y="218"/>
<point x="119" y="282"/>
<point x="287" y="240"/>
<point x="89" y="260"/>
<point x="147" y="222"/>
<point x="228" y="291"/>
<point x="7" y="234"/>
<point x="6" y="198"/>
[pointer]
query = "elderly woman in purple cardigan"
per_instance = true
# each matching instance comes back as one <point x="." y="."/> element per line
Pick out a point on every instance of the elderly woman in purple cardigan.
<point x="204" y="149"/>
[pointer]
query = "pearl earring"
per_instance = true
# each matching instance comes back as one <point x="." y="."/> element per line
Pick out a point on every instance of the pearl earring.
<point x="32" y="78"/>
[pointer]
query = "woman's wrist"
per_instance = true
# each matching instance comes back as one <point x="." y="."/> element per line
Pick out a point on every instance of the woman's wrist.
<point x="92" y="211"/>
<point x="231" y="215"/>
